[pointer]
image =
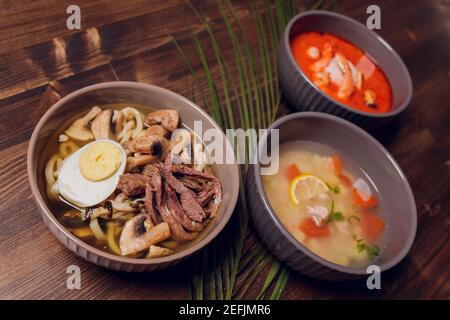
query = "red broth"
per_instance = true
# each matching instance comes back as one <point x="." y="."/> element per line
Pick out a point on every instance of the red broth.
<point x="374" y="82"/>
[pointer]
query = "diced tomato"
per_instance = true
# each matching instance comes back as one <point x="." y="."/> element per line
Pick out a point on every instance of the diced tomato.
<point x="345" y="180"/>
<point x="308" y="227"/>
<point x="372" y="226"/>
<point x="370" y="203"/>
<point x="292" y="171"/>
<point x="337" y="164"/>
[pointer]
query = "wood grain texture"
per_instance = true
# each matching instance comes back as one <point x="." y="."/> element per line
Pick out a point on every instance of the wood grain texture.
<point x="41" y="61"/>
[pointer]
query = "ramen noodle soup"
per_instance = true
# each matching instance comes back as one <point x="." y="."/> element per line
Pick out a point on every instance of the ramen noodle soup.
<point x="125" y="181"/>
<point x="343" y="71"/>
<point x="327" y="203"/>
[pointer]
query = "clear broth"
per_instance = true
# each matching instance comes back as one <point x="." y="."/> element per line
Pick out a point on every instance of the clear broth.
<point x="340" y="247"/>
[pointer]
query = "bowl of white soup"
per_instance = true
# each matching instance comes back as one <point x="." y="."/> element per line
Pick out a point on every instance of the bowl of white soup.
<point x="337" y="202"/>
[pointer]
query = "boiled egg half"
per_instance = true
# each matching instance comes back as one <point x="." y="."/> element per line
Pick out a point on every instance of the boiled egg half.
<point x="90" y="175"/>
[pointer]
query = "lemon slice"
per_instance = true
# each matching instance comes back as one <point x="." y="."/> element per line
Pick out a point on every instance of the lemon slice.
<point x="305" y="187"/>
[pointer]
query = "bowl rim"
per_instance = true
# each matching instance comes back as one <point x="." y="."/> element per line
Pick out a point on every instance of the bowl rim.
<point x="134" y="261"/>
<point x="374" y="37"/>
<point x="298" y="245"/>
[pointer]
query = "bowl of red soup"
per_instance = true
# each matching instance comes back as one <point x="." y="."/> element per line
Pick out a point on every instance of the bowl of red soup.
<point x="331" y="202"/>
<point x="330" y="63"/>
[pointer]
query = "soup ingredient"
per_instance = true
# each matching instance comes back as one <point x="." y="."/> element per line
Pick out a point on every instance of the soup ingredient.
<point x="96" y="230"/>
<point x="345" y="87"/>
<point x="372" y="251"/>
<point x="327" y="55"/>
<point x="166" y="118"/>
<point x="99" y="161"/>
<point x="308" y="227"/>
<point x="136" y="236"/>
<point x="156" y="251"/>
<point x="336" y="216"/>
<point x="362" y="201"/>
<point x="118" y="122"/>
<point x="135" y="118"/>
<point x="51" y="174"/>
<point x="372" y="226"/>
<point x="79" y="190"/>
<point x="292" y="171"/>
<point x="305" y="187"/>
<point x="343" y="71"/>
<point x="132" y="184"/>
<point x="369" y="98"/>
<point x="110" y="236"/>
<point x="313" y="52"/>
<point x="79" y="129"/>
<point x="158" y="130"/>
<point x="67" y="148"/>
<point x="318" y="214"/>
<point x="101" y="126"/>
<point x="148" y="144"/>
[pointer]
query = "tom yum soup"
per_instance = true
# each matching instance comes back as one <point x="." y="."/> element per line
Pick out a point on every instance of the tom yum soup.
<point x="327" y="203"/>
<point x="125" y="182"/>
<point x="343" y="71"/>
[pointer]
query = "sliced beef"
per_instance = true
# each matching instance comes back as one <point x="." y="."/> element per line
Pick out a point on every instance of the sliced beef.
<point x="179" y="214"/>
<point x="150" y="205"/>
<point x="187" y="197"/>
<point x="132" y="184"/>
<point x="185" y="170"/>
<point x="207" y="186"/>
<point x="176" y="229"/>
<point x="154" y="173"/>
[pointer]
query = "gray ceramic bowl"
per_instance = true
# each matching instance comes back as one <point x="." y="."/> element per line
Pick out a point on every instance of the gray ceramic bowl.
<point x="372" y="157"/>
<point x="302" y="94"/>
<point x="112" y="92"/>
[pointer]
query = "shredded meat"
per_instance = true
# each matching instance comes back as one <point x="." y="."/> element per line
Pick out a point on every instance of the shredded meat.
<point x="179" y="214"/>
<point x="132" y="184"/>
<point x="187" y="197"/>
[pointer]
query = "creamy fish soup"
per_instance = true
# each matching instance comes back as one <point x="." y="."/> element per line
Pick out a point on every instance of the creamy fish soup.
<point x="327" y="203"/>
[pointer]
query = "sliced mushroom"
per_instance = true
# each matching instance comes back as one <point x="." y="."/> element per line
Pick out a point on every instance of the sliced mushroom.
<point x="157" y="251"/>
<point x="141" y="160"/>
<point x="158" y="130"/>
<point x="101" y="126"/>
<point x="79" y="129"/>
<point x="118" y="122"/>
<point x="149" y="144"/>
<point x="135" y="237"/>
<point x="167" y="118"/>
<point x="93" y="213"/>
<point x="120" y="206"/>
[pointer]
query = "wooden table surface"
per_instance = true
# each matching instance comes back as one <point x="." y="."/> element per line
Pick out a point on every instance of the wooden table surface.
<point x="41" y="61"/>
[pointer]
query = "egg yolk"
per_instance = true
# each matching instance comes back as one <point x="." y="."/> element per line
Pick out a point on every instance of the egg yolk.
<point x="99" y="161"/>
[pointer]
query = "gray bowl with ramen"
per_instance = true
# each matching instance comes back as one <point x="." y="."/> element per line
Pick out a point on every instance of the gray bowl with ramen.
<point x="152" y="99"/>
<point x="374" y="162"/>
<point x="303" y="94"/>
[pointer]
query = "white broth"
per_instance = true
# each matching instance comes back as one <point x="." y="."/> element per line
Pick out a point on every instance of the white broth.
<point x="327" y="203"/>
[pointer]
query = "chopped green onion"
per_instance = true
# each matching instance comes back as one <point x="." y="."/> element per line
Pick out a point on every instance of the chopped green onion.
<point x="372" y="251"/>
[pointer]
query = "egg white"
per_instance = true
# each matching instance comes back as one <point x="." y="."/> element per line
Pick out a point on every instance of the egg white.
<point x="74" y="187"/>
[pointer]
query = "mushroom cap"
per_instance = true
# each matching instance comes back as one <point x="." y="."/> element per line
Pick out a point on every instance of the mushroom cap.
<point x="79" y="129"/>
<point x="136" y="238"/>
<point x="101" y="126"/>
<point x="167" y="118"/>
